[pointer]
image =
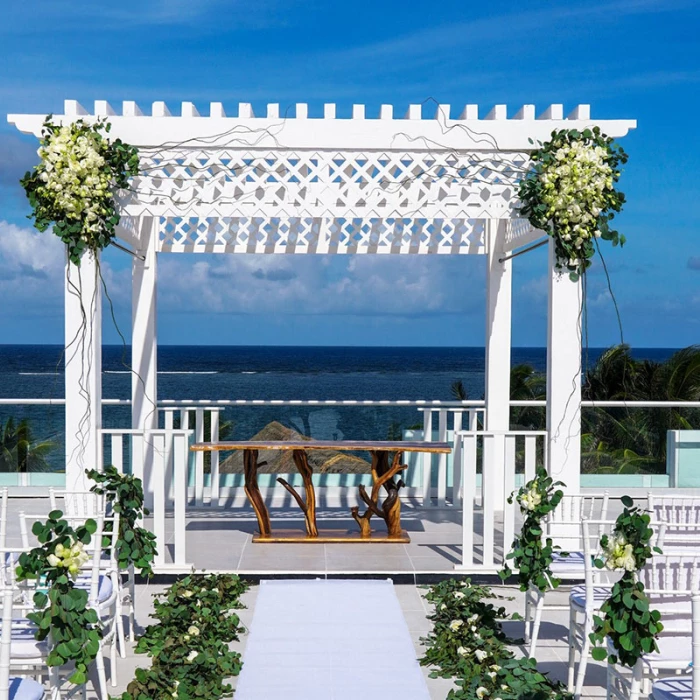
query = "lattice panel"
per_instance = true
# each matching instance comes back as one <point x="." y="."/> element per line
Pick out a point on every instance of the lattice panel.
<point x="321" y="235"/>
<point x="351" y="201"/>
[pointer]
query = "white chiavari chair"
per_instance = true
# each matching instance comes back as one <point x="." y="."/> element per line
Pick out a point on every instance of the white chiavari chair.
<point x="564" y="527"/>
<point x="13" y="634"/>
<point x="585" y="600"/>
<point x="684" y="687"/>
<point x="99" y="577"/>
<point x="84" y="503"/>
<point x="670" y="582"/>
<point x="681" y="514"/>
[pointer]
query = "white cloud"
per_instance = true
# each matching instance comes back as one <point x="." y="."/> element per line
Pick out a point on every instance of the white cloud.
<point x="32" y="269"/>
<point x="367" y="285"/>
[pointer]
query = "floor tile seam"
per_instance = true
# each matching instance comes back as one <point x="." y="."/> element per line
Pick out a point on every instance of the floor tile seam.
<point x="243" y="548"/>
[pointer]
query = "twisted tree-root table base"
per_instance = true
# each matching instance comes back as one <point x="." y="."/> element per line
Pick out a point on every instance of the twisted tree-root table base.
<point x="384" y="472"/>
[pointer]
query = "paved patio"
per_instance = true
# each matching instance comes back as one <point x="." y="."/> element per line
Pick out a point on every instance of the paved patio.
<point x="222" y="540"/>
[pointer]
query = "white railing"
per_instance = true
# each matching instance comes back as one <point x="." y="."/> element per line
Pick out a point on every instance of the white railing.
<point x="463" y="417"/>
<point x="159" y="458"/>
<point x="488" y="519"/>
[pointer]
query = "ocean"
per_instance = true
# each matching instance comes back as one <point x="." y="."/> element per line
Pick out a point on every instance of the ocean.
<point x="232" y="372"/>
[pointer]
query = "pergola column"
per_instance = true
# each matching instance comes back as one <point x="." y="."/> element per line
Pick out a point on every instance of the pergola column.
<point x="144" y="347"/>
<point x="564" y="376"/>
<point x="83" y="369"/>
<point x="498" y="337"/>
<point x="144" y="343"/>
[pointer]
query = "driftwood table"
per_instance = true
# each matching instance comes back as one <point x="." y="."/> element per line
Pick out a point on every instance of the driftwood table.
<point x="384" y="470"/>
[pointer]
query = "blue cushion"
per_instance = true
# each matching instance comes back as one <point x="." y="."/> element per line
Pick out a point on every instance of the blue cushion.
<point x="25" y="689"/>
<point x="678" y="688"/>
<point x="577" y="596"/>
<point x="104" y="586"/>
<point x="570" y="565"/>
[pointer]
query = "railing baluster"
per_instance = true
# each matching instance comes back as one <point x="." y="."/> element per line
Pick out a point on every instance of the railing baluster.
<point x="508" y="488"/>
<point x="156" y="444"/>
<point x="442" y="460"/>
<point x="215" y="459"/>
<point x="457" y="459"/>
<point x="180" y="449"/>
<point x="469" y="481"/>
<point x="487" y="500"/>
<point x="530" y="457"/>
<point x="199" y="459"/>
<point x="116" y="451"/>
<point x="427" y="458"/>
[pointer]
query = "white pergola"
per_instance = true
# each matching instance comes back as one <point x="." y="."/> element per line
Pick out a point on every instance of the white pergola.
<point x="283" y="184"/>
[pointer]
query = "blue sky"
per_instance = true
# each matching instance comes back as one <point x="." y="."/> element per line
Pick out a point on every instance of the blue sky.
<point x="627" y="58"/>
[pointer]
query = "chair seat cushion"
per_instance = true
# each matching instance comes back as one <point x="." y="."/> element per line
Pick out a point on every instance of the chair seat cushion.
<point x="577" y="597"/>
<point x="679" y="688"/>
<point x="675" y="652"/>
<point x="571" y="565"/>
<point x="24" y="645"/>
<point x="25" y="689"/>
<point x="104" y="586"/>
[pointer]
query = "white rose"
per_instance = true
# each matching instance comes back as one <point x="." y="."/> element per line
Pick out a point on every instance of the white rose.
<point x="459" y="595"/>
<point x="480" y="655"/>
<point x="462" y="651"/>
<point x="455" y="625"/>
<point x="192" y="655"/>
<point x="193" y="630"/>
<point x="481" y="692"/>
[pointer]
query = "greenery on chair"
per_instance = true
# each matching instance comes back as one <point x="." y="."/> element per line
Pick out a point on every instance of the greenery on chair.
<point x="135" y="544"/>
<point x="532" y="553"/>
<point x="625" y="617"/>
<point x="63" y="615"/>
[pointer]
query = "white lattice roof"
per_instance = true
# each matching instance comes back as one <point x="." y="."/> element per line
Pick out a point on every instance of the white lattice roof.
<point x="293" y="184"/>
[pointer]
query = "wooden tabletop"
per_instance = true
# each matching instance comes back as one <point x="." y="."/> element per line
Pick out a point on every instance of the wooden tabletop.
<point x="341" y="445"/>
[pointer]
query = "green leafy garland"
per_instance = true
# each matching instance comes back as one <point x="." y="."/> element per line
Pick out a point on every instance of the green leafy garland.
<point x="570" y="194"/>
<point x="62" y="613"/>
<point x="189" y="644"/>
<point x="515" y="679"/>
<point x="73" y="186"/>
<point x="467" y="643"/>
<point x="135" y="545"/>
<point x="466" y="633"/>
<point x="626" y="618"/>
<point x="530" y="552"/>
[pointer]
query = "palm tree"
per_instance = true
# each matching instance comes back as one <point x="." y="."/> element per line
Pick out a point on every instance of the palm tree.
<point x="20" y="451"/>
<point x="633" y="439"/>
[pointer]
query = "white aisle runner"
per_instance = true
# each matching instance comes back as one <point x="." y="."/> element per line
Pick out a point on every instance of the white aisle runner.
<point x="329" y="640"/>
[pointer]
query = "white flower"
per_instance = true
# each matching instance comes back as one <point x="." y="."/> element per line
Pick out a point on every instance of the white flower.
<point x="481" y="692"/>
<point x="480" y="655"/>
<point x="193" y="630"/>
<point x="459" y="595"/>
<point x="187" y="594"/>
<point x="54" y="560"/>
<point x="472" y="618"/>
<point x="455" y="625"/>
<point x="619" y="554"/>
<point x="192" y="655"/>
<point x="443" y="607"/>
<point x="462" y="651"/>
